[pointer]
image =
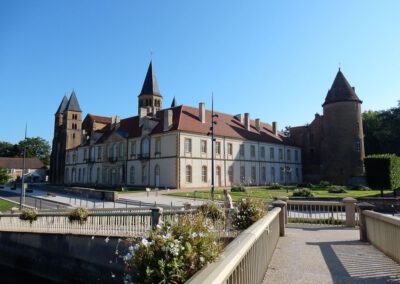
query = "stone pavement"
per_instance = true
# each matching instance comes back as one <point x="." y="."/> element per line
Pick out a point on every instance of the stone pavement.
<point x="316" y="254"/>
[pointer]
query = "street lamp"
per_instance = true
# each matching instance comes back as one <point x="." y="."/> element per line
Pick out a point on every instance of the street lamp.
<point x="213" y="122"/>
<point x="22" y="197"/>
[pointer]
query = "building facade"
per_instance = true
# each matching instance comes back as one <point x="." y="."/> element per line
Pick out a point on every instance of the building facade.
<point x="333" y="144"/>
<point x="171" y="148"/>
<point x="35" y="171"/>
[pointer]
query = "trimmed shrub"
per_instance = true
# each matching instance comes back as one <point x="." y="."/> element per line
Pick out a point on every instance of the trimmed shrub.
<point x="212" y="211"/>
<point x="28" y="214"/>
<point x="303" y="192"/>
<point x="360" y="187"/>
<point x="275" y="185"/>
<point x="79" y="214"/>
<point x="238" y="188"/>
<point x="383" y="171"/>
<point x="324" y="183"/>
<point x="337" y="189"/>
<point x="306" y="185"/>
<point x="173" y="252"/>
<point x="249" y="211"/>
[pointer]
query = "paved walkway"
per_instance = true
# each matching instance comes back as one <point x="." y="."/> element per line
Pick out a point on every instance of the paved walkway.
<point x="313" y="254"/>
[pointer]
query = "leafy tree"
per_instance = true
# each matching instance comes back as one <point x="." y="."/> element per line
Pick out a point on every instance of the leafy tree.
<point x="4" y="176"/>
<point x="286" y="131"/>
<point x="8" y="150"/>
<point x="36" y="147"/>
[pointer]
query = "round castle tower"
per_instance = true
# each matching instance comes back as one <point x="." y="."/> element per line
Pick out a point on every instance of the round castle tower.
<point x="343" y="143"/>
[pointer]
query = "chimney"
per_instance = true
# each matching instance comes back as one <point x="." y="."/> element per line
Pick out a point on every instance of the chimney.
<point x="258" y="126"/>
<point x="202" y="112"/>
<point x="247" y="120"/>
<point x="168" y="115"/>
<point x="275" y="128"/>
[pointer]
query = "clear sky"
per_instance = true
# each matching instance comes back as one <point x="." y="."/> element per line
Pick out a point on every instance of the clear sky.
<point x="273" y="59"/>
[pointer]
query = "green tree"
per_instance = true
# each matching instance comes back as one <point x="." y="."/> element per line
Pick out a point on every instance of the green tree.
<point x="36" y="147"/>
<point x="4" y="176"/>
<point x="8" y="150"/>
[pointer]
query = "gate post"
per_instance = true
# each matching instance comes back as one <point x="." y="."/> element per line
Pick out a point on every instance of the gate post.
<point x="350" y="208"/>
<point x="282" y="215"/>
<point x="363" y="225"/>
<point x="155" y="216"/>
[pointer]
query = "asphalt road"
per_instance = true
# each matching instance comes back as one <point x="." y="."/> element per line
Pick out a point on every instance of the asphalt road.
<point x="30" y="201"/>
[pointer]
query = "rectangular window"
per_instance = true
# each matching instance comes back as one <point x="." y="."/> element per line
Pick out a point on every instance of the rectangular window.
<point x="241" y="151"/>
<point x="288" y="154"/>
<point x="204" y="173"/>
<point x="188" y="145"/>
<point x="263" y="174"/>
<point x="282" y="172"/>
<point x="253" y="175"/>
<point x="263" y="153"/>
<point x="144" y="175"/>
<point x="133" y="149"/>
<point x="296" y="155"/>
<point x="188" y="174"/>
<point x="203" y="146"/>
<point x="271" y="153"/>
<point x="230" y="149"/>
<point x="253" y="151"/>
<point x="158" y="146"/>
<point x="357" y="146"/>
<point x="280" y="154"/>
<point x="230" y="174"/>
<point x="242" y="174"/>
<point x="272" y="174"/>
<point x="121" y="150"/>
<point x="85" y="154"/>
<point x="218" y="148"/>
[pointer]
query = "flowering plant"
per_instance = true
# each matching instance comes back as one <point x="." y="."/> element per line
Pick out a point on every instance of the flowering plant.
<point x="79" y="214"/>
<point x="249" y="210"/>
<point x="212" y="210"/>
<point x="172" y="253"/>
<point x="28" y="214"/>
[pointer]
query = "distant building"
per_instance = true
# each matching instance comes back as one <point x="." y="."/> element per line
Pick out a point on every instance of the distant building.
<point x="333" y="144"/>
<point x="168" y="147"/>
<point x="34" y="168"/>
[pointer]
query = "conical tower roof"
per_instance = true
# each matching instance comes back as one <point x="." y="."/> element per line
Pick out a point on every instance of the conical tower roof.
<point x="150" y="85"/>
<point x="73" y="104"/>
<point x="341" y="91"/>
<point x="63" y="105"/>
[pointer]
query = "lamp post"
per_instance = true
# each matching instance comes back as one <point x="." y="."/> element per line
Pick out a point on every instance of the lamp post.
<point x="212" y="145"/>
<point x="22" y="197"/>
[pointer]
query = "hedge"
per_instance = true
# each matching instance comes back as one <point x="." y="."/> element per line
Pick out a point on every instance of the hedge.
<point x="383" y="171"/>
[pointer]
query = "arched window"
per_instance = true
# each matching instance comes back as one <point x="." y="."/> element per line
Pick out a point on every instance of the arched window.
<point x="188" y="173"/>
<point x="157" y="175"/>
<point x="145" y="147"/>
<point x="121" y="150"/>
<point x="204" y="173"/>
<point x="230" y="174"/>
<point x="132" y="175"/>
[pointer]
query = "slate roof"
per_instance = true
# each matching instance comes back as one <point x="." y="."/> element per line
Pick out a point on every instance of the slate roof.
<point x="73" y="104"/>
<point x="63" y="105"/>
<point x="340" y="91"/>
<point x="150" y="85"/>
<point x="16" y="163"/>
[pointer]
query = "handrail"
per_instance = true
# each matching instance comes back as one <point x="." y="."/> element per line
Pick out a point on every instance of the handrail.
<point x="382" y="217"/>
<point x="234" y="253"/>
<point x="314" y="202"/>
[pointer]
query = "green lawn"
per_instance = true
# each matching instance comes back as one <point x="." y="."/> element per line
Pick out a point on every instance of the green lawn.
<point x="5" y="205"/>
<point x="269" y="194"/>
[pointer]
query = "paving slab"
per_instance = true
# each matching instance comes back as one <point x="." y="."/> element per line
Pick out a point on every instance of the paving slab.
<point x="316" y="254"/>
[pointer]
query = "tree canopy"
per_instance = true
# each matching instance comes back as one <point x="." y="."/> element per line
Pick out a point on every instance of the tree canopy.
<point x="36" y="147"/>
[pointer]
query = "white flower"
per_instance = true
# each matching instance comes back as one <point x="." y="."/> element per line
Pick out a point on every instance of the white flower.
<point x="92" y="237"/>
<point x="194" y="234"/>
<point x="130" y="248"/>
<point x="107" y="239"/>
<point x="158" y="226"/>
<point x="145" y="242"/>
<point x="116" y="252"/>
<point x="201" y="234"/>
<point x="128" y="257"/>
<point x="119" y="240"/>
<point x="136" y="247"/>
<point x="201" y="259"/>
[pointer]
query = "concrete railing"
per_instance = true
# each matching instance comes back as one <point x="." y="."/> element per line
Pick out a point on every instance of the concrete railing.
<point x="118" y="224"/>
<point x="383" y="231"/>
<point x="246" y="258"/>
<point x="323" y="212"/>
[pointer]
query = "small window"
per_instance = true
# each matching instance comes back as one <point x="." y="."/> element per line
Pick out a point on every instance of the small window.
<point x="158" y="146"/>
<point x="230" y="174"/>
<point x="203" y="145"/>
<point x="241" y="151"/>
<point x="114" y="151"/>
<point x="133" y="149"/>
<point x="99" y="153"/>
<point x="204" y="173"/>
<point x="272" y="174"/>
<point x="218" y="148"/>
<point x="121" y="150"/>
<point x="242" y="174"/>
<point x="253" y="151"/>
<point x="188" y="174"/>
<point x="230" y="149"/>
<point x="263" y="174"/>
<point x="262" y="149"/>
<point x="288" y="154"/>
<point x="271" y="153"/>
<point x="253" y="174"/>
<point x="280" y="154"/>
<point x="188" y="145"/>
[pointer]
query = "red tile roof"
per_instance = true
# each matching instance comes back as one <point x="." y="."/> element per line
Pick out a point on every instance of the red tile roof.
<point x="98" y="118"/>
<point x="185" y="118"/>
<point x="16" y="163"/>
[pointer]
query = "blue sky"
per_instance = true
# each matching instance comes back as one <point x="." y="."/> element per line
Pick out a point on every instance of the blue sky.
<point x="273" y="59"/>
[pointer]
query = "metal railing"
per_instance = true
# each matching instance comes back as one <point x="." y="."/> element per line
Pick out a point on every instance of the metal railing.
<point x="245" y="259"/>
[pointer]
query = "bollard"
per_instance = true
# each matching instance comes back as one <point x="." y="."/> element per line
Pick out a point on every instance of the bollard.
<point x="156" y="213"/>
<point x="350" y="208"/>
<point x="363" y="225"/>
<point x="282" y="215"/>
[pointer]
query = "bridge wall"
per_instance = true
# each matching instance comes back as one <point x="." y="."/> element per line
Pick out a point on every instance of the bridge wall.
<point x="63" y="258"/>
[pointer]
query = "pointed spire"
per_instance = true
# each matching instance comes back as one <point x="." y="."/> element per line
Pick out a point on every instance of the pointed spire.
<point x="63" y="105"/>
<point x="73" y="104"/>
<point x="341" y="91"/>
<point x="173" y="104"/>
<point x="150" y="85"/>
